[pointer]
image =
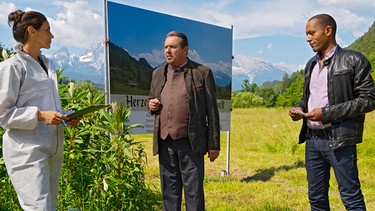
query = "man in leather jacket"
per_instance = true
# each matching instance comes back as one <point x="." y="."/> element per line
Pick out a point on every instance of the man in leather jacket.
<point x="187" y="125"/>
<point x="338" y="91"/>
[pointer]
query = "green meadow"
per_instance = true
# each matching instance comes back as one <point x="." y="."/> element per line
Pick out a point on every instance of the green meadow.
<point x="266" y="168"/>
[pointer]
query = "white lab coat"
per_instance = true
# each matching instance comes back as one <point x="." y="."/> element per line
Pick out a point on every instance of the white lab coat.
<point x="32" y="150"/>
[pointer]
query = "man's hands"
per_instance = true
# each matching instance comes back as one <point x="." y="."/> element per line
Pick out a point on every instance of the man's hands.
<point x="315" y="115"/>
<point x="213" y="154"/>
<point x="297" y="114"/>
<point x="154" y="104"/>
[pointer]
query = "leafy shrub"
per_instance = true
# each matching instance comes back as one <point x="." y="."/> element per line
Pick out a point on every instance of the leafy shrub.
<point x="246" y="100"/>
<point x="5" y="54"/>
<point x="104" y="165"/>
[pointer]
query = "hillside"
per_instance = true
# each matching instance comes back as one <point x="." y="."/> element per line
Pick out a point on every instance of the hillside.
<point x="127" y="73"/>
<point x="366" y="45"/>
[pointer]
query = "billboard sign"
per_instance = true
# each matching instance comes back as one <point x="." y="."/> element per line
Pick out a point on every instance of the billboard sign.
<point x="136" y="48"/>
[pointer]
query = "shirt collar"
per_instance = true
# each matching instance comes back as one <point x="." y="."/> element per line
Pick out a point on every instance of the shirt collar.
<point x="328" y="55"/>
<point x="180" y="68"/>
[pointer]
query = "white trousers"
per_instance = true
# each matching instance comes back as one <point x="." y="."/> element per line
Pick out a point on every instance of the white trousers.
<point x="34" y="173"/>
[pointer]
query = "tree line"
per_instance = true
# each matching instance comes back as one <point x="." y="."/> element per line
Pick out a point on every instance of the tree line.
<point x="284" y="93"/>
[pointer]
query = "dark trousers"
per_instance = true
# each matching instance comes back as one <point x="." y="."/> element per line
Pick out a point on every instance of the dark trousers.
<point x="319" y="160"/>
<point x="180" y="169"/>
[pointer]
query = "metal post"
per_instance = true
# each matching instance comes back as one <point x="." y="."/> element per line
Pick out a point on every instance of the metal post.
<point x="228" y="151"/>
<point x="226" y="171"/>
<point x="106" y="56"/>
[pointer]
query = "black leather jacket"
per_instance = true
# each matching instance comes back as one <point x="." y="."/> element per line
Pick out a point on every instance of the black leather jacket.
<point x="351" y="94"/>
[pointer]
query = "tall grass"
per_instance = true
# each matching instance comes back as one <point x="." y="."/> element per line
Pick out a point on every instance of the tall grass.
<point x="267" y="165"/>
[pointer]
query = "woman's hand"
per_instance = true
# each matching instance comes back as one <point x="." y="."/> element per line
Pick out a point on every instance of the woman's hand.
<point x="73" y="122"/>
<point x="51" y="117"/>
<point x="56" y="118"/>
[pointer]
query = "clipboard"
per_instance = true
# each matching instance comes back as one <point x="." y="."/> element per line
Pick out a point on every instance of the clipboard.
<point x="87" y="110"/>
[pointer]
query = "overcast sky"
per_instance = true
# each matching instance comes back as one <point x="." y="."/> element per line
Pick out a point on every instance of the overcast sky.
<point x="273" y="30"/>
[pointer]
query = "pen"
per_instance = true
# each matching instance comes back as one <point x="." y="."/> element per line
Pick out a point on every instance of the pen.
<point x="62" y="120"/>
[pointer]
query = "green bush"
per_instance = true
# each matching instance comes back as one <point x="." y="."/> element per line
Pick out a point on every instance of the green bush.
<point x="246" y="100"/>
<point x="103" y="166"/>
<point x="5" y="54"/>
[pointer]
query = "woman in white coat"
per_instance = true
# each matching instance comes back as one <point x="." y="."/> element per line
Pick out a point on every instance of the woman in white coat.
<point x="29" y="105"/>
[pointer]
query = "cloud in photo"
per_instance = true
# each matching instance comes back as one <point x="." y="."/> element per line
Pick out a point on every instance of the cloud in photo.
<point x="6" y="8"/>
<point x="77" y="24"/>
<point x="155" y="58"/>
<point x="269" y="46"/>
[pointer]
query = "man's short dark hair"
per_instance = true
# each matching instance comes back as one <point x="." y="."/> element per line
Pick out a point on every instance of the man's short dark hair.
<point x="184" y="40"/>
<point x="326" y="20"/>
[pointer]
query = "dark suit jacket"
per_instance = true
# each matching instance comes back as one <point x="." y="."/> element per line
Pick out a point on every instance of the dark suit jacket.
<point x="204" y="122"/>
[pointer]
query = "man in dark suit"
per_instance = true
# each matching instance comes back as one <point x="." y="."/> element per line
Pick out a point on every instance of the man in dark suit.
<point x="187" y="126"/>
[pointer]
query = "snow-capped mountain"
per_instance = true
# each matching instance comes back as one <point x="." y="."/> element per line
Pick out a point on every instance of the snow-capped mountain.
<point x="88" y="66"/>
<point x="62" y="58"/>
<point x="255" y="70"/>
